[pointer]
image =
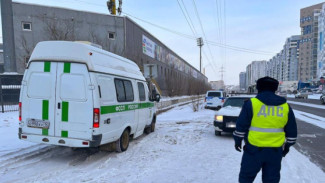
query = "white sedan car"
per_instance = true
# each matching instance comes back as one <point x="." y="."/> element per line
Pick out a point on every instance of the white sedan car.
<point x="225" y="119"/>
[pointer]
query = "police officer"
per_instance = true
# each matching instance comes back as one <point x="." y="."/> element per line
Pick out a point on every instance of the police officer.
<point x="268" y="126"/>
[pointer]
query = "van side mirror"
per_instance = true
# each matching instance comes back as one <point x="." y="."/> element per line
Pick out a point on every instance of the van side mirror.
<point x="157" y="98"/>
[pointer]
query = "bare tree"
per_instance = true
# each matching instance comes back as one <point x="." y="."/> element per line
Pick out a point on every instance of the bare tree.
<point x="63" y="29"/>
<point x="27" y="49"/>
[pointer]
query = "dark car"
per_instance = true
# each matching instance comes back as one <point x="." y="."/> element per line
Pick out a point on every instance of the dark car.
<point x="225" y="119"/>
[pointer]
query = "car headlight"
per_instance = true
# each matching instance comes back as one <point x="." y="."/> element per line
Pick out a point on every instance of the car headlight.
<point x="218" y="118"/>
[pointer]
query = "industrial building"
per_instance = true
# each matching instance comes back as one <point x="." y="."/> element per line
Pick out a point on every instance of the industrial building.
<point x="217" y="85"/>
<point x="34" y="23"/>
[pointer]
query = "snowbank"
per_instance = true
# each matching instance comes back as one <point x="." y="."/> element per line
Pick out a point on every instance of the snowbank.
<point x="307" y="104"/>
<point x="310" y="118"/>
<point x="290" y="96"/>
<point x="313" y="96"/>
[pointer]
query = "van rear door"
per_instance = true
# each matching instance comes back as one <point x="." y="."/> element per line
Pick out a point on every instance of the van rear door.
<point x="74" y="102"/>
<point x="38" y="98"/>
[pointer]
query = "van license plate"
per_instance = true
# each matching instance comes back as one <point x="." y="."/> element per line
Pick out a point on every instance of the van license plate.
<point x="36" y="123"/>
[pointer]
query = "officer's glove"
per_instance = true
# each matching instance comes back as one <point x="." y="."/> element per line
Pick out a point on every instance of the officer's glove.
<point x="238" y="147"/>
<point x="285" y="150"/>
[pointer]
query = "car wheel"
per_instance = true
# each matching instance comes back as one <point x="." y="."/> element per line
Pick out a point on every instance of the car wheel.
<point x="323" y="101"/>
<point x="217" y="133"/>
<point x="122" y="143"/>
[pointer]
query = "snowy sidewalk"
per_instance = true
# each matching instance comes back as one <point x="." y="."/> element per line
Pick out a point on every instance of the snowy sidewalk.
<point x="183" y="149"/>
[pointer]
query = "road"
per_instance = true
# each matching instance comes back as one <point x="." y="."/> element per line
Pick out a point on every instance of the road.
<point x="310" y="137"/>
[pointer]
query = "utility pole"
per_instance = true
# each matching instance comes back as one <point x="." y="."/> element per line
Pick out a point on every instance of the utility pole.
<point x="8" y="36"/>
<point x="200" y="44"/>
<point x="111" y="5"/>
<point x="222" y="71"/>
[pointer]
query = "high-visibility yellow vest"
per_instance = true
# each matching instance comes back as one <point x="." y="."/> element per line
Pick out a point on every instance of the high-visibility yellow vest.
<point x="267" y="126"/>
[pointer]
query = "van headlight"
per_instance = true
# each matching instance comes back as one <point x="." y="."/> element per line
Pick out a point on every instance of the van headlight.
<point x="218" y="118"/>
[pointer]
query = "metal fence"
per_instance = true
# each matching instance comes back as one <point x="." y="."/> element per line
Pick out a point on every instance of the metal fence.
<point x="9" y="92"/>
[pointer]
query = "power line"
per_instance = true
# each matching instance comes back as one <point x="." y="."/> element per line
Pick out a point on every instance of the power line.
<point x="200" y="22"/>
<point x="190" y="23"/>
<point x="208" y="42"/>
<point x="193" y="38"/>
<point x="188" y="15"/>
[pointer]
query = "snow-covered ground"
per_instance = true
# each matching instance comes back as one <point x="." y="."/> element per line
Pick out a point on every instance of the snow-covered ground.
<point x="182" y="149"/>
<point x="318" y="106"/>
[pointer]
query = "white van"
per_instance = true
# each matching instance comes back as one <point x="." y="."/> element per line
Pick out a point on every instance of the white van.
<point x="74" y="94"/>
<point x="214" y="99"/>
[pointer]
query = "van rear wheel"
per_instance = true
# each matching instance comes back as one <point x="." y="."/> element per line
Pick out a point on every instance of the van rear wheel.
<point x="122" y="143"/>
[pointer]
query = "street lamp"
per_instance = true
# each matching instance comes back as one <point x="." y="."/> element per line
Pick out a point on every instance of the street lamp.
<point x="200" y="44"/>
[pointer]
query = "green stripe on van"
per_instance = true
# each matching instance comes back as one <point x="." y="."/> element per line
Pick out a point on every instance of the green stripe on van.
<point x="122" y="108"/>
<point x="65" y="111"/>
<point x="64" y="133"/>
<point x="45" y="110"/>
<point x="45" y="132"/>
<point x="47" y="66"/>
<point x="67" y="67"/>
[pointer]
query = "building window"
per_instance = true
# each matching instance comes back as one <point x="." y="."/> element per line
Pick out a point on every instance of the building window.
<point x="111" y="35"/>
<point x="26" y="26"/>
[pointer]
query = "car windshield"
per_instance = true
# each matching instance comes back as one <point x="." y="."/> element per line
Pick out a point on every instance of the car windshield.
<point x="235" y="102"/>
<point x="214" y="94"/>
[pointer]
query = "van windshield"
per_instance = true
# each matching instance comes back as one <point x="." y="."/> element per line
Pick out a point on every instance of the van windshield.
<point x="214" y="94"/>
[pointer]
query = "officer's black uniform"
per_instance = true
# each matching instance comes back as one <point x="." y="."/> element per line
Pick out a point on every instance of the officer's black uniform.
<point x="266" y="158"/>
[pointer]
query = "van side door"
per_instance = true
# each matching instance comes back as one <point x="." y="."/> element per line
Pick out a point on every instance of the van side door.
<point x="142" y="111"/>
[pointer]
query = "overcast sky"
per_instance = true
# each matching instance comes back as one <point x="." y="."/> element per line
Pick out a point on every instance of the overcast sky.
<point x="251" y="24"/>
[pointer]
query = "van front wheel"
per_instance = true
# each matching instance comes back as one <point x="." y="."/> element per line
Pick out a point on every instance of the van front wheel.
<point x="153" y="126"/>
<point x="122" y="143"/>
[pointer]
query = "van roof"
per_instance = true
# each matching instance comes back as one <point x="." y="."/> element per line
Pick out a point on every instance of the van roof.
<point x="96" y="59"/>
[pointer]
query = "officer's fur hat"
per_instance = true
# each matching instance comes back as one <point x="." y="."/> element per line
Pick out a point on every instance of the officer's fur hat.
<point x="267" y="84"/>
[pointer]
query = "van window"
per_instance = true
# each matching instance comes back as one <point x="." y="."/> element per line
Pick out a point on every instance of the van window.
<point x="120" y="90"/>
<point x="73" y="87"/>
<point x="142" y="94"/>
<point x="129" y="96"/>
<point x="124" y="90"/>
<point x="214" y="94"/>
<point x="39" y="85"/>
